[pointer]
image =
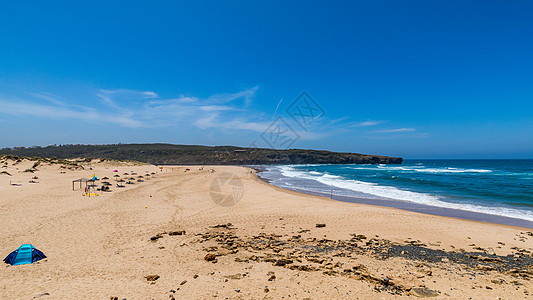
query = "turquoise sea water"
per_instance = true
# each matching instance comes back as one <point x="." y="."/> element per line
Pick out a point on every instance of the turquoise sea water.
<point x="499" y="188"/>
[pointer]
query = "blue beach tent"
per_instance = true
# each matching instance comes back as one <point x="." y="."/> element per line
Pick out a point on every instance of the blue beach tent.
<point x="25" y="254"/>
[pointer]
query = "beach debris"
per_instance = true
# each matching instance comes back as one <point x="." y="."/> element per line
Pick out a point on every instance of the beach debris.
<point x="179" y="232"/>
<point x="152" y="277"/>
<point x="423" y="292"/>
<point x="225" y="226"/>
<point x="155" y="237"/>
<point x="272" y="277"/>
<point x="320" y="225"/>
<point x="210" y="257"/>
<point x="358" y="237"/>
<point x="183" y="282"/>
<point x="43" y="294"/>
<point x="5" y="173"/>
<point x="498" y="281"/>
<point x="235" y="276"/>
<point x="282" y="262"/>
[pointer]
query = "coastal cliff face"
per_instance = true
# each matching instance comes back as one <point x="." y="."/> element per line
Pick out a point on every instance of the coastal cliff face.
<point x="201" y="155"/>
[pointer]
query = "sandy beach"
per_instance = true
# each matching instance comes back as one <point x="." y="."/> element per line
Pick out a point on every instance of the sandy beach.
<point x="179" y="234"/>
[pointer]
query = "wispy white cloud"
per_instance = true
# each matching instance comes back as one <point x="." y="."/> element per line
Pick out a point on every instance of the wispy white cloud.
<point x="149" y="94"/>
<point x="395" y="130"/>
<point x="130" y="93"/>
<point x="51" y="98"/>
<point x="217" y="108"/>
<point x="247" y="94"/>
<point x="224" y="112"/>
<point x="46" y="96"/>
<point x="64" y="112"/>
<point x="183" y="99"/>
<point x="400" y="136"/>
<point x="367" y="124"/>
<point x="107" y="100"/>
<point x="124" y="98"/>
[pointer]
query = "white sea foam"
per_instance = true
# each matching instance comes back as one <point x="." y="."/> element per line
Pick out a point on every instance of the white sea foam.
<point x="420" y="169"/>
<point x="389" y="192"/>
<point x="452" y="170"/>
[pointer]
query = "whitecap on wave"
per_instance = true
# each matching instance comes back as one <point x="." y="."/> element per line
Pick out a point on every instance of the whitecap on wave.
<point x="389" y="192"/>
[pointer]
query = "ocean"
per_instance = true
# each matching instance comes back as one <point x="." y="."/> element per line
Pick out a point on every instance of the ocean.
<point x="498" y="191"/>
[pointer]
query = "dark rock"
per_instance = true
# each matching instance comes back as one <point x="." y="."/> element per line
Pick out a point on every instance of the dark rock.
<point x="282" y="262"/>
<point x="226" y="226"/>
<point x="155" y="237"/>
<point x="152" y="277"/>
<point x="210" y="257"/>
<point x="320" y="225"/>
<point x="359" y="236"/>
<point x="179" y="232"/>
<point x="330" y="273"/>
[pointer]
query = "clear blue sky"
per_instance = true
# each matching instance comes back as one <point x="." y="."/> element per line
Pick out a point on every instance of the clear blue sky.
<point x="417" y="79"/>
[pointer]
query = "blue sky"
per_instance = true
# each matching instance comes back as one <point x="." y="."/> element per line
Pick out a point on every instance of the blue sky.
<point x="417" y="79"/>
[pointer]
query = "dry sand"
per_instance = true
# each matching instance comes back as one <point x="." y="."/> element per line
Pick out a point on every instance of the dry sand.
<point x="105" y="246"/>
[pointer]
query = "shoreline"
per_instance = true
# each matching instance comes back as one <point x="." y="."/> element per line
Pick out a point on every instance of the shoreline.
<point x="167" y="237"/>
<point x="411" y="207"/>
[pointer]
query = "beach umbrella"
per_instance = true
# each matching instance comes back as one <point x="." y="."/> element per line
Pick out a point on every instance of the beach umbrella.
<point x="116" y="175"/>
<point x="105" y="178"/>
<point x="126" y="174"/>
<point x="107" y="183"/>
<point x="115" y="171"/>
<point x="140" y="176"/>
<point x="121" y="180"/>
<point x="153" y="173"/>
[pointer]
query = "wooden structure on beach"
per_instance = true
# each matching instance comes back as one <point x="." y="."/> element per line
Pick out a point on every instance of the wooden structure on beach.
<point x="80" y="181"/>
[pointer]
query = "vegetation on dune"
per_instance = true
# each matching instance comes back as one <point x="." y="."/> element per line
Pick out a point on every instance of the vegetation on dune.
<point x="192" y="154"/>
